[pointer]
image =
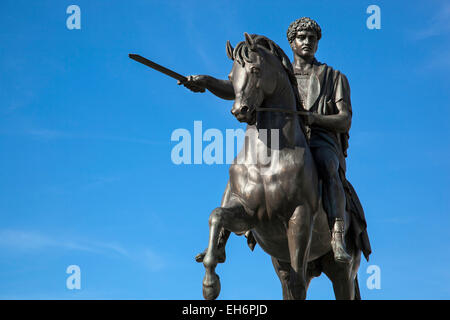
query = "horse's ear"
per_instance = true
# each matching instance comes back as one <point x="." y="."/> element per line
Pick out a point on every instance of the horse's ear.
<point x="249" y="41"/>
<point x="229" y="50"/>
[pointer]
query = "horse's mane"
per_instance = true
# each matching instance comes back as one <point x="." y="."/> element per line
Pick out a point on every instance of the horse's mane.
<point x="241" y="55"/>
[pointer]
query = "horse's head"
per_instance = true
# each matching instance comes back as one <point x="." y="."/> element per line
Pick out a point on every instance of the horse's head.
<point x="254" y="75"/>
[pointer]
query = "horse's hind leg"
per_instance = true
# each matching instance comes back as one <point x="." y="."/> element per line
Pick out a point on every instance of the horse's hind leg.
<point x="299" y="239"/>
<point x="232" y="218"/>
<point x="283" y="270"/>
<point x="343" y="276"/>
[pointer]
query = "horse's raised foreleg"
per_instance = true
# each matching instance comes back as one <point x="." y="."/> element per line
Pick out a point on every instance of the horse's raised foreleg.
<point x="234" y="219"/>
<point x="224" y="234"/>
<point x="223" y="238"/>
<point x="299" y="239"/>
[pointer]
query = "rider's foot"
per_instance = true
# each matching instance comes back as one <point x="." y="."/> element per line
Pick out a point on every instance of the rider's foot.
<point x="221" y="258"/>
<point x="338" y="242"/>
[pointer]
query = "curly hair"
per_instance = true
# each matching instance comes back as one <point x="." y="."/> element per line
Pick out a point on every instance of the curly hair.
<point x="304" y="23"/>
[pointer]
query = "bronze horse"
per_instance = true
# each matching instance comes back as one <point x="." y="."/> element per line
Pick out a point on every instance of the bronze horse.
<point x="278" y="200"/>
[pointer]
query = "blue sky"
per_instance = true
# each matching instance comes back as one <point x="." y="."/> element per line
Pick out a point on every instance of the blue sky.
<point x="86" y="176"/>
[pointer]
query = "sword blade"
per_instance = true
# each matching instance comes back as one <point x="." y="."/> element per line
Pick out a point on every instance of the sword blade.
<point x="158" y="67"/>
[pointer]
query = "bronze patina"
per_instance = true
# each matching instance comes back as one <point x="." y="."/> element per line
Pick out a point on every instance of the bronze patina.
<point x="300" y="209"/>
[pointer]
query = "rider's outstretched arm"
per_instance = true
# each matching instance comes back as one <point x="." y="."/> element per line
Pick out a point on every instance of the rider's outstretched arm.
<point x="220" y="88"/>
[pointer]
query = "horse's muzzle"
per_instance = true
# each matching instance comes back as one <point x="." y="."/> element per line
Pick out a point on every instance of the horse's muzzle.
<point x="244" y="114"/>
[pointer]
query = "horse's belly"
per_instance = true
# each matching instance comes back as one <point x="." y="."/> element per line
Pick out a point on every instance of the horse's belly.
<point x="273" y="240"/>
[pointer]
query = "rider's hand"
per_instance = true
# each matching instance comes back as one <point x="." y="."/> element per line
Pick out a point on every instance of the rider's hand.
<point x="196" y="83"/>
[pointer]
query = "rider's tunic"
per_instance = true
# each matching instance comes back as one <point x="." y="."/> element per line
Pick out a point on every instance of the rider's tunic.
<point x="319" y="93"/>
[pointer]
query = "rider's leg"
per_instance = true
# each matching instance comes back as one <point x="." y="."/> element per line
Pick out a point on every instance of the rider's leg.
<point x="327" y="164"/>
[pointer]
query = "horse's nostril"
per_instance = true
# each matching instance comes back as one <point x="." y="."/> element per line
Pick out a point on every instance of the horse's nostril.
<point x="244" y="109"/>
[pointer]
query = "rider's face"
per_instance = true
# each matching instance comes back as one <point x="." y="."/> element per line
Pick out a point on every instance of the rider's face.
<point x="305" y="43"/>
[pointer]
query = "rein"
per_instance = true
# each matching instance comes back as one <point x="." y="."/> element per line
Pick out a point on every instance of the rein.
<point x="295" y="112"/>
<point x="302" y="113"/>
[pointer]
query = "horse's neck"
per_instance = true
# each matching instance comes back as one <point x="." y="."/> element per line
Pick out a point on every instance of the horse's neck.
<point x="274" y="132"/>
<point x="283" y="97"/>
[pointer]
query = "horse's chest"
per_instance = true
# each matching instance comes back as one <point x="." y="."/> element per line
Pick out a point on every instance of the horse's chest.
<point x="271" y="189"/>
<point x="246" y="182"/>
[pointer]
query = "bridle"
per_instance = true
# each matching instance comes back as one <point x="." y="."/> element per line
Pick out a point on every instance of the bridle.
<point x="295" y="112"/>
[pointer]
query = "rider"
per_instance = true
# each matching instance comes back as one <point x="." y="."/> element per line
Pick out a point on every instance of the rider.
<point x="324" y="92"/>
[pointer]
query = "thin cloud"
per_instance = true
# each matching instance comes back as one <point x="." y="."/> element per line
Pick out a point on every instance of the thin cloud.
<point x="48" y="134"/>
<point x="152" y="260"/>
<point x="438" y="25"/>
<point x="397" y="221"/>
<point x="24" y="242"/>
<point x="101" y="181"/>
<point x="35" y="241"/>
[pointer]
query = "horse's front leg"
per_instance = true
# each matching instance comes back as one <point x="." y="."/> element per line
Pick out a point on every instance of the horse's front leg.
<point x="224" y="234"/>
<point x="299" y="239"/>
<point x="234" y="219"/>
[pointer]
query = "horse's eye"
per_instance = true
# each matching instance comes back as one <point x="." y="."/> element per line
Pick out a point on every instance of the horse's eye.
<point x="254" y="70"/>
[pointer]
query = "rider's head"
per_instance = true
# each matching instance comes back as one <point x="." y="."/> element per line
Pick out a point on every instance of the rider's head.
<point x="303" y="35"/>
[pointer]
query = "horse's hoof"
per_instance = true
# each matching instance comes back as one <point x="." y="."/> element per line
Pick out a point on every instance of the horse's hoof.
<point x="211" y="287"/>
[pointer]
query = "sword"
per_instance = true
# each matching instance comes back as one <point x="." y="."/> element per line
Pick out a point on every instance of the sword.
<point x="157" y="67"/>
<point x="160" y="68"/>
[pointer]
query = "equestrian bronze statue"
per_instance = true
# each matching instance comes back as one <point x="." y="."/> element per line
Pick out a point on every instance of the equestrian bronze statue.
<point x="298" y="206"/>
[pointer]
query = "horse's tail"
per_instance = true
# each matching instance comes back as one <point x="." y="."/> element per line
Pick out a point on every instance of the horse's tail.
<point x="357" y="292"/>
